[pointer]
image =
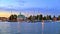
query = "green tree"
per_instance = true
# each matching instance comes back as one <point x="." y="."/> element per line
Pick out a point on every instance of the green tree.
<point x="30" y="18"/>
<point x="40" y="17"/>
<point x="37" y="17"/>
<point x="59" y="17"/>
<point x="49" y="17"/>
<point x="44" y="18"/>
<point x="13" y="18"/>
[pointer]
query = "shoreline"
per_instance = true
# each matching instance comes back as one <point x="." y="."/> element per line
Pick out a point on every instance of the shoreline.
<point x="34" y="21"/>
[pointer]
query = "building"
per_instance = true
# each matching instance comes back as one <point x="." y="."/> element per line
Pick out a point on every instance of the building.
<point x="55" y="19"/>
<point x="3" y="19"/>
<point x="21" y="18"/>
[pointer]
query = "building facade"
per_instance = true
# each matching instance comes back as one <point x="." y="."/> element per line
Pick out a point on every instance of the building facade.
<point x="21" y="18"/>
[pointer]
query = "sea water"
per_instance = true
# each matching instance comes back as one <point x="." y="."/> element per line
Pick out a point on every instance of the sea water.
<point x="29" y="28"/>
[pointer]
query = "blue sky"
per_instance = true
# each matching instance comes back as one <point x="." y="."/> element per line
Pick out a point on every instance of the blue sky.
<point x="50" y="7"/>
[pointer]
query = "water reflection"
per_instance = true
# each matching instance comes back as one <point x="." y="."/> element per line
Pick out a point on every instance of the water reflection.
<point x="42" y="27"/>
<point x="29" y="28"/>
<point x="4" y="28"/>
<point x="18" y="27"/>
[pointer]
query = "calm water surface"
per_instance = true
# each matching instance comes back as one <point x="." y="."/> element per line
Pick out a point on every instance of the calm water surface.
<point x="29" y="28"/>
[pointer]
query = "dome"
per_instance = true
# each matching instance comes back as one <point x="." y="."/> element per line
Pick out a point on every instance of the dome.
<point x="21" y="16"/>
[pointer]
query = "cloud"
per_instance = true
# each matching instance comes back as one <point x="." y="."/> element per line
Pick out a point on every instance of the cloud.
<point x="11" y="4"/>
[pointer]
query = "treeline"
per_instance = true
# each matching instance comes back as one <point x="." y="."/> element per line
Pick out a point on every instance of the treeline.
<point x="12" y="18"/>
<point x="41" y="17"/>
<point x="33" y="18"/>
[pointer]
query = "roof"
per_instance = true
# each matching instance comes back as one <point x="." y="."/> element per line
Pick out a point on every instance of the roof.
<point x="21" y="16"/>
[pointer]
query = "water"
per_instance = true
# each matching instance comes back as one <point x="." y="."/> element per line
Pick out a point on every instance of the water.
<point x="29" y="28"/>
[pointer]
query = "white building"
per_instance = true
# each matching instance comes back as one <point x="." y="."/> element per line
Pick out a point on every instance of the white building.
<point x="20" y="17"/>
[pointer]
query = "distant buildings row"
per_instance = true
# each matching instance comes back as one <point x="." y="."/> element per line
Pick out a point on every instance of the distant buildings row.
<point x="20" y="18"/>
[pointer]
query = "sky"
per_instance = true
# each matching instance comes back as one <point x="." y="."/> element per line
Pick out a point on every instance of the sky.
<point x="29" y="7"/>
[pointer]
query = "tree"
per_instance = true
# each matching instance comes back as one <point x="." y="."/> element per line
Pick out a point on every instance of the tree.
<point x="40" y="17"/>
<point x="30" y="18"/>
<point x="37" y="17"/>
<point x="44" y="18"/>
<point x="13" y="18"/>
<point x="49" y="17"/>
<point x="59" y="17"/>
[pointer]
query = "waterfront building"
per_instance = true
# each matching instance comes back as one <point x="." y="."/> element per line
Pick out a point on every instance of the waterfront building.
<point x="55" y="19"/>
<point x="3" y="19"/>
<point x="21" y="17"/>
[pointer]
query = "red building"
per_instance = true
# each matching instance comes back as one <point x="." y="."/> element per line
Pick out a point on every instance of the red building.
<point x="3" y="19"/>
<point x="55" y="19"/>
